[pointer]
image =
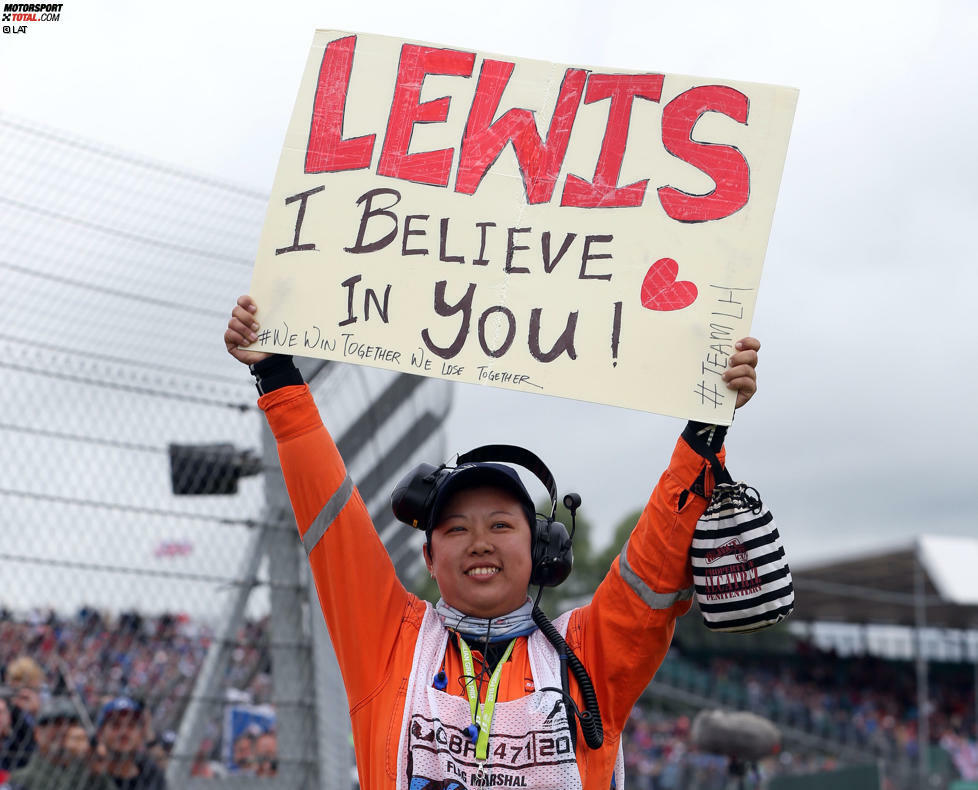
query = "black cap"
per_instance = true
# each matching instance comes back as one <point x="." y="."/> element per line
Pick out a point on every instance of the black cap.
<point x="58" y="708"/>
<point x="476" y="475"/>
<point x="121" y="704"/>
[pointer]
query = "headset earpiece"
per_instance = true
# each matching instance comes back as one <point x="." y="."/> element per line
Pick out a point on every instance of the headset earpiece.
<point x="413" y="496"/>
<point x="553" y="553"/>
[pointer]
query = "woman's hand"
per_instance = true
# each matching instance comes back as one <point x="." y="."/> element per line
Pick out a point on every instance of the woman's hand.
<point x="741" y="372"/>
<point x="242" y="331"/>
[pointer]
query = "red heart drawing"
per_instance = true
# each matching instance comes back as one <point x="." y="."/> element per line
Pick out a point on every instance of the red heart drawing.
<point x="660" y="291"/>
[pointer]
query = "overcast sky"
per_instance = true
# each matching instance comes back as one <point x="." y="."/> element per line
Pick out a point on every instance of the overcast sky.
<point x="864" y="429"/>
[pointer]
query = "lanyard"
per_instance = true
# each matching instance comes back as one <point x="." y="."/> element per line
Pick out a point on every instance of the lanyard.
<point x="482" y="717"/>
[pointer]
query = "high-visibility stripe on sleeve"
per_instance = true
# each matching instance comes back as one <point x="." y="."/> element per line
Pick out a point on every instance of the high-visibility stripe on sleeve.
<point x="651" y="598"/>
<point x="327" y="515"/>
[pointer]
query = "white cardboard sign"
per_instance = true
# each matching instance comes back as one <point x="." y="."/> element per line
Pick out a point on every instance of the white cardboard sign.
<point x="584" y="232"/>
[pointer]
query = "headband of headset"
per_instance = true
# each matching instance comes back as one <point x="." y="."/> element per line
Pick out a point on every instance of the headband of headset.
<point x="510" y="453"/>
<point x="413" y="498"/>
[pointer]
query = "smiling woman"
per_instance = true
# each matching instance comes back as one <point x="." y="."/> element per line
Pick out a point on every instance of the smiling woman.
<point x="475" y="690"/>
<point x="479" y="552"/>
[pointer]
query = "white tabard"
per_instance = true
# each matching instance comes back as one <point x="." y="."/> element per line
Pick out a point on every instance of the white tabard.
<point x="529" y="739"/>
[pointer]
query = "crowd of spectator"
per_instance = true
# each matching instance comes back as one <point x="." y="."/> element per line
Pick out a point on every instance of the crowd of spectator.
<point x="864" y="702"/>
<point x="61" y="750"/>
<point x="99" y="699"/>
<point x="86" y="700"/>
<point x="658" y="756"/>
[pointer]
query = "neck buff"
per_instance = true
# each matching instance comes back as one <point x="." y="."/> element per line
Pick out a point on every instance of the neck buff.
<point x="507" y="626"/>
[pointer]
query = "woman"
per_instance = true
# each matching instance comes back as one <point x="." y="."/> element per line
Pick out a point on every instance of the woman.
<point x="469" y="693"/>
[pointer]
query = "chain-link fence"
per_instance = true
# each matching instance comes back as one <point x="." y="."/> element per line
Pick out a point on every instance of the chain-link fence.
<point x="135" y="619"/>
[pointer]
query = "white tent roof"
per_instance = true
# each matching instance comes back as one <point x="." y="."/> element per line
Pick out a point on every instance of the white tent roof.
<point x="952" y="565"/>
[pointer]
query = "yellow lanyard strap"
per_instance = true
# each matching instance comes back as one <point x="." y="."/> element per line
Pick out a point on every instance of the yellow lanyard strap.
<point x="482" y="717"/>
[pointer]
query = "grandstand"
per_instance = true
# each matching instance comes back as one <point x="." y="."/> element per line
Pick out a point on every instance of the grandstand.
<point x="876" y="639"/>
<point x="117" y="271"/>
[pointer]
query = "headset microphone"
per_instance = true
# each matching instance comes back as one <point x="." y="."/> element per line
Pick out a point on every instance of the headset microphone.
<point x="572" y="502"/>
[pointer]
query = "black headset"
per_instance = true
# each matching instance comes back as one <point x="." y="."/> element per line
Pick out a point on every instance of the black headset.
<point x="551" y="547"/>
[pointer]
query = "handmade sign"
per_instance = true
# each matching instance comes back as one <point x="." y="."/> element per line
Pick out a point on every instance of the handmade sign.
<point x="584" y="232"/>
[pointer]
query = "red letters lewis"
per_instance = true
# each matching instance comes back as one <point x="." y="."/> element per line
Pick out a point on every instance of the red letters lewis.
<point x="540" y="159"/>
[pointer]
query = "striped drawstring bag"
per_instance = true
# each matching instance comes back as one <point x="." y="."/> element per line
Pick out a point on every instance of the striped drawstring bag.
<point x="740" y="573"/>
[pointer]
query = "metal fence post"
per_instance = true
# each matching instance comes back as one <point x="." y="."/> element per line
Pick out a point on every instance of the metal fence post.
<point x="920" y="660"/>
<point x="291" y="649"/>
<point x="208" y="689"/>
<point x="333" y="719"/>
